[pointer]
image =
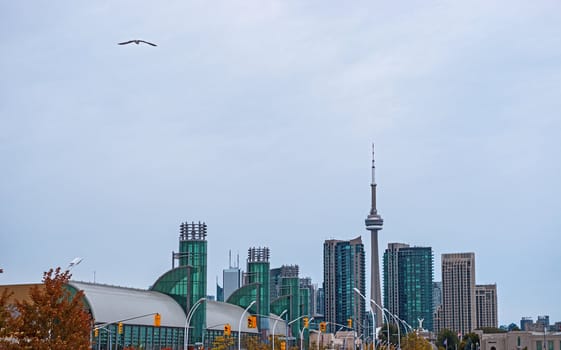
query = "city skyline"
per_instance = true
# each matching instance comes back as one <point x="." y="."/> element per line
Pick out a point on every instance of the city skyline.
<point x="257" y="118"/>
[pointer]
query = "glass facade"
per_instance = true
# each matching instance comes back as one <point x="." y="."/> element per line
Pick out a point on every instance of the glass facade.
<point x="244" y="296"/>
<point x="187" y="283"/>
<point x="174" y="283"/>
<point x="305" y="302"/>
<point x="280" y="304"/>
<point x="139" y="337"/>
<point x="193" y="254"/>
<point x="291" y="288"/>
<point x="344" y="270"/>
<point x="408" y="283"/>
<point x="258" y="267"/>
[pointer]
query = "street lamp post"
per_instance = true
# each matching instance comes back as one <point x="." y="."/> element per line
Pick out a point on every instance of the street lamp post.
<point x="398" y="327"/>
<point x="240" y="324"/>
<point x="294" y="320"/>
<point x="371" y="312"/>
<point x="387" y="320"/>
<point x="188" y="320"/>
<point x="302" y="335"/>
<point x="275" y="324"/>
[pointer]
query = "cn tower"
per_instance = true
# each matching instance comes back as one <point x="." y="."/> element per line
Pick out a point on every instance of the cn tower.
<point x="374" y="224"/>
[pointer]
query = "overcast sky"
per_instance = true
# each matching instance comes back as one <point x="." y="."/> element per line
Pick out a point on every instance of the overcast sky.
<point x="257" y="117"/>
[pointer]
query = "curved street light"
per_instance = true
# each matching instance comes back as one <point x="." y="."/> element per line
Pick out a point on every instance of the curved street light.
<point x="371" y="312"/>
<point x="275" y="324"/>
<point x="188" y="320"/>
<point x="398" y="328"/>
<point x="240" y="324"/>
<point x="383" y="310"/>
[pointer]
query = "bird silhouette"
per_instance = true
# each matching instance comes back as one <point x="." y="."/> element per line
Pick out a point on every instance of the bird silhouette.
<point x="137" y="42"/>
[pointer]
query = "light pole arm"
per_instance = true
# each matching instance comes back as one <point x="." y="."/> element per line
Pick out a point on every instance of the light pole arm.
<point x="371" y="313"/>
<point x="188" y="320"/>
<point x="275" y="325"/>
<point x="240" y="324"/>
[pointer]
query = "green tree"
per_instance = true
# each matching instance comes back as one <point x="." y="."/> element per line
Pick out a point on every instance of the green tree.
<point x="513" y="327"/>
<point x="487" y="330"/>
<point x="447" y="339"/>
<point x="53" y="319"/>
<point x="469" y="341"/>
<point x="414" y="341"/>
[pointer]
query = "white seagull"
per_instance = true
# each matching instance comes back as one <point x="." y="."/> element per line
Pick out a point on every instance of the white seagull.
<point x="137" y="42"/>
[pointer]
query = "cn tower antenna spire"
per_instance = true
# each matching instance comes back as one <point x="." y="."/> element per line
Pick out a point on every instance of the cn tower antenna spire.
<point x="373" y="210"/>
<point x="374" y="224"/>
<point x="373" y="166"/>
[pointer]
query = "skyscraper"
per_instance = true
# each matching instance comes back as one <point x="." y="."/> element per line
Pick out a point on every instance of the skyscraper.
<point x="232" y="277"/>
<point x="374" y="224"/>
<point x="408" y="289"/>
<point x="232" y="280"/>
<point x="486" y="302"/>
<point x="458" y="292"/>
<point x="344" y="270"/>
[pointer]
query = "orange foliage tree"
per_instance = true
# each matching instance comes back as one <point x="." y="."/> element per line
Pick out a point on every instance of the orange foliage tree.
<point x="7" y="322"/>
<point x="54" y="319"/>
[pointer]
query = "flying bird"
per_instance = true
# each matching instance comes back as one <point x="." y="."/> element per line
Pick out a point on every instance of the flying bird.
<point x="137" y="42"/>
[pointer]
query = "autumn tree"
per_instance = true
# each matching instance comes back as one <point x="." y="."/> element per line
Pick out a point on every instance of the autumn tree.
<point x="8" y="325"/>
<point x="54" y="319"/>
<point x="414" y="341"/>
<point x="253" y="343"/>
<point x="222" y="343"/>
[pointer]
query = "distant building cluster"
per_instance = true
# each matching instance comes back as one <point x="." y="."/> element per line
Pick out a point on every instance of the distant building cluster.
<point x="542" y="324"/>
<point x="267" y="295"/>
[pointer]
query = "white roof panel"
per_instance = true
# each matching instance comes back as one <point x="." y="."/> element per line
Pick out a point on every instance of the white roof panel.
<point x="112" y="304"/>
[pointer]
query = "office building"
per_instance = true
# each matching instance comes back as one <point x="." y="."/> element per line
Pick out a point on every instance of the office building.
<point x="543" y="321"/>
<point x="276" y="276"/>
<point x="436" y="295"/>
<point x="232" y="278"/>
<point x="344" y="270"/>
<point x="486" y="303"/>
<point x="320" y="303"/>
<point x="458" y="292"/>
<point x="526" y="323"/>
<point x="408" y="283"/>
<point x="308" y="292"/>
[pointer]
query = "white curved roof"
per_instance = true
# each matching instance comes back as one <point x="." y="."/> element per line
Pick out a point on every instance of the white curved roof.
<point x="111" y="304"/>
<point x="219" y="313"/>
